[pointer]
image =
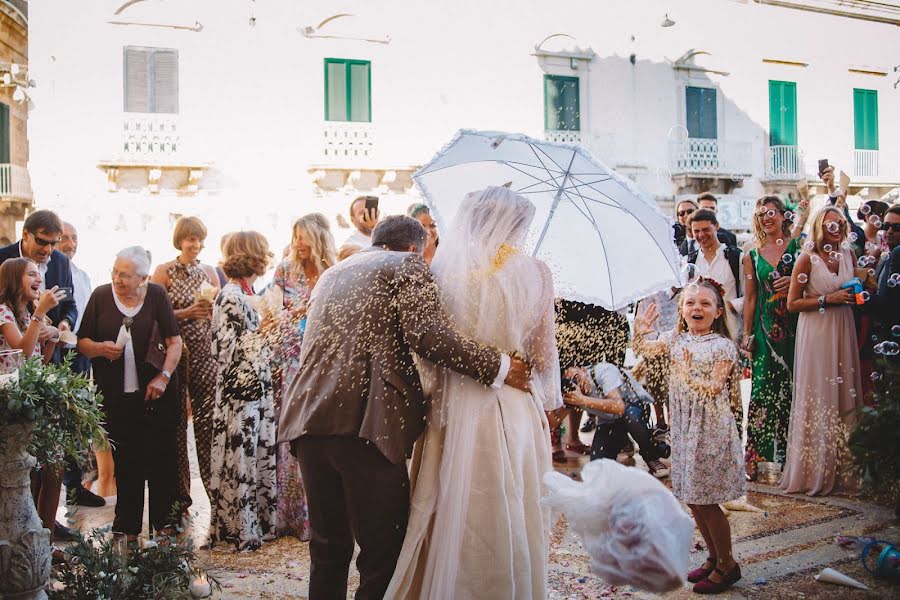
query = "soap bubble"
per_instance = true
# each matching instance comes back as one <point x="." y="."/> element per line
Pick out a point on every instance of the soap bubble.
<point x="865" y="296"/>
<point x="789" y="215"/>
<point x="840" y="380"/>
<point x="865" y="209"/>
<point x="853" y="236"/>
<point x="779" y="242"/>
<point x="875" y="376"/>
<point x="809" y="246"/>
<point x="814" y="258"/>
<point x="802" y="277"/>
<point x="832" y="226"/>
<point x="678" y="134"/>
<point x="827" y="248"/>
<point x="821" y="311"/>
<point x="895" y="330"/>
<point x="788" y="258"/>
<point x="894" y="280"/>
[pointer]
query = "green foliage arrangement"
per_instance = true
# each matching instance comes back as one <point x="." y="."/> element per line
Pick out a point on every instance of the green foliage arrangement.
<point x="99" y="568"/>
<point x="874" y="440"/>
<point x="64" y="407"/>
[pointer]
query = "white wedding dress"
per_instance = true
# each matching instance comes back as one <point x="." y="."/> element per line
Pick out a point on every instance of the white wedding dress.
<point x="476" y="527"/>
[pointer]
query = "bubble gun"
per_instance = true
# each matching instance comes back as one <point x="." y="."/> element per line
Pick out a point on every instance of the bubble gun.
<point x="856" y="285"/>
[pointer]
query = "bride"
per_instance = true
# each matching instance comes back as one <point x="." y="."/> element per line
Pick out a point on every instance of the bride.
<point x="476" y="527"/>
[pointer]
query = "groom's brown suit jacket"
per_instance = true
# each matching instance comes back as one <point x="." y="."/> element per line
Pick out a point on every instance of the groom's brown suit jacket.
<point x="367" y="316"/>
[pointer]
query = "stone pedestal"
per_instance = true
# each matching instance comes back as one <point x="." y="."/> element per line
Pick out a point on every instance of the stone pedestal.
<point x="24" y="542"/>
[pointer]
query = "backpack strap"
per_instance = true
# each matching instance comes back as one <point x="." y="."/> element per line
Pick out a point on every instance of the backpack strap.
<point x="733" y="254"/>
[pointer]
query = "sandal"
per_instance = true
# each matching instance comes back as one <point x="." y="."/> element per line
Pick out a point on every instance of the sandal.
<point x="708" y="586"/>
<point x="703" y="572"/>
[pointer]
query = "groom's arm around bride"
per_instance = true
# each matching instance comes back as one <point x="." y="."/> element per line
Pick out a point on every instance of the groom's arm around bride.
<point x="356" y="407"/>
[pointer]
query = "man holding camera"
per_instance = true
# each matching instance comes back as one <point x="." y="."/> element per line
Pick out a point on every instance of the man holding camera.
<point x="40" y="235"/>
<point x="618" y="406"/>
<point x="364" y="216"/>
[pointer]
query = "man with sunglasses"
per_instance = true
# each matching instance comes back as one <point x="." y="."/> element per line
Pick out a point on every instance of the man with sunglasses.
<point x="40" y="235"/>
<point x="683" y="210"/>
<point x="886" y="305"/>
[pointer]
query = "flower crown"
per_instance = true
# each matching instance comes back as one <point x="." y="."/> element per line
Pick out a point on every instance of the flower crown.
<point x="720" y="289"/>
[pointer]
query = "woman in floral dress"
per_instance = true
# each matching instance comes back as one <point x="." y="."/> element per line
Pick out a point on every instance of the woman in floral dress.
<point x="312" y="251"/>
<point x="243" y="444"/>
<point x="182" y="278"/>
<point x="769" y="332"/>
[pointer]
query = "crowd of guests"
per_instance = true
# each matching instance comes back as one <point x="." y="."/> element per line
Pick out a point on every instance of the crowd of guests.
<point x="193" y="343"/>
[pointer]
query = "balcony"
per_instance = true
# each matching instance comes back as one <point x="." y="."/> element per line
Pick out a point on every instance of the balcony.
<point x="601" y="146"/>
<point x="150" y="137"/>
<point x="15" y="183"/>
<point x="784" y="163"/>
<point x="709" y="158"/>
<point x="348" y="143"/>
<point x="865" y="163"/>
<point x="151" y="157"/>
<point x="568" y="136"/>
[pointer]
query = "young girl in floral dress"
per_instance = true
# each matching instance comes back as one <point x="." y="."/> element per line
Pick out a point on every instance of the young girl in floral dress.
<point x="707" y="461"/>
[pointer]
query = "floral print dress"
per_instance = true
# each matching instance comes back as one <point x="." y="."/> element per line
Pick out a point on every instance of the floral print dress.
<point x="293" y="512"/>
<point x="773" y="360"/>
<point x="707" y="461"/>
<point x="243" y="426"/>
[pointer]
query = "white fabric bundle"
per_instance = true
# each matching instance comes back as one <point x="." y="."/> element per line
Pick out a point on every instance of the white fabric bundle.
<point x="631" y="525"/>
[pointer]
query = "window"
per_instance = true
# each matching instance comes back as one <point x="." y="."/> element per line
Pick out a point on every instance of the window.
<point x="561" y="103"/>
<point x="4" y="133"/>
<point x="151" y="80"/>
<point x="782" y="113"/>
<point x="700" y="105"/>
<point x="348" y="90"/>
<point x="865" y="119"/>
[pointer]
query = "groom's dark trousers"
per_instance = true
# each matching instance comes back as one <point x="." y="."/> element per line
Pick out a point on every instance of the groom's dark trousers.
<point x="356" y="407"/>
<point x="352" y="490"/>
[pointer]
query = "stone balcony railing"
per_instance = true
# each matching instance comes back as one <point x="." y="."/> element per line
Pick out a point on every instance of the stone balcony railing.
<point x="15" y="182"/>
<point x="150" y="137"/>
<point x="784" y="163"/>
<point x="700" y="157"/>
<point x="347" y="143"/>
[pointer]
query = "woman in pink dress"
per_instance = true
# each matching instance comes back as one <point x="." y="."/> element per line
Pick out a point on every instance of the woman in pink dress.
<point x="826" y="361"/>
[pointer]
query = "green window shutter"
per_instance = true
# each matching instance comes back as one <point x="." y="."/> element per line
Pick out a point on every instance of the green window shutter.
<point x="782" y="113"/>
<point x="348" y="90"/>
<point x="865" y="119"/>
<point x="562" y="103"/>
<point x="700" y="109"/>
<point x="360" y="96"/>
<point x="4" y="133"/>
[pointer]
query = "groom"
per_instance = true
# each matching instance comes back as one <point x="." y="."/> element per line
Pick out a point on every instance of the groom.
<point x="356" y="407"/>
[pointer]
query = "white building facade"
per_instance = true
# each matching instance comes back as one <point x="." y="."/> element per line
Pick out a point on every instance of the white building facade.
<point x="251" y="113"/>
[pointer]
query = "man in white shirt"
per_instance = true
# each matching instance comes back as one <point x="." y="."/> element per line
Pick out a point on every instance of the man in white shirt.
<point x="81" y="282"/>
<point x="364" y="221"/>
<point x="717" y="261"/>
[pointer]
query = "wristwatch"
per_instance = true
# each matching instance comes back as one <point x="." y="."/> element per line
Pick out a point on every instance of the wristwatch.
<point x="821" y="301"/>
<point x="166" y="374"/>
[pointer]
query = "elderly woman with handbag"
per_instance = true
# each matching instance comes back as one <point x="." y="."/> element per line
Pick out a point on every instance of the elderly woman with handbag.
<point x="130" y="333"/>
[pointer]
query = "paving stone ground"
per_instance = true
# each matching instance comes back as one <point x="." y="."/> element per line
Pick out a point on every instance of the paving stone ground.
<point x="779" y="551"/>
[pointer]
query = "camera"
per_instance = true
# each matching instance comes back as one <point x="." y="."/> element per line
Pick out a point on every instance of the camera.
<point x="568" y="385"/>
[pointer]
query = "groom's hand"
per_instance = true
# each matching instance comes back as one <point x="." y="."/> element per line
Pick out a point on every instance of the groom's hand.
<point x="519" y="374"/>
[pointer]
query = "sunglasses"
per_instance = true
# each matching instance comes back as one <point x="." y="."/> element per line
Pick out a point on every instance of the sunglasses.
<point x="682" y="213"/>
<point x="895" y="227"/>
<point x="43" y="242"/>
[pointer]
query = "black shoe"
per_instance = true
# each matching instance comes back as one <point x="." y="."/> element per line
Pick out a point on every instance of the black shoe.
<point x="589" y="425"/>
<point x="61" y="533"/>
<point x="82" y="496"/>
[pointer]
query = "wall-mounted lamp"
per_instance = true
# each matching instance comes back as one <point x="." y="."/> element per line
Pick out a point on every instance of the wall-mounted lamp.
<point x="667" y="22"/>
<point x="15" y="76"/>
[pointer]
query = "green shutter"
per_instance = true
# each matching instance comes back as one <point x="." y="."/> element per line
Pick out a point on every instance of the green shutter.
<point x="360" y="97"/>
<point x="348" y="93"/>
<point x="865" y="119"/>
<point x="700" y="109"/>
<point x="4" y="133"/>
<point x="561" y="103"/>
<point x="782" y="113"/>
